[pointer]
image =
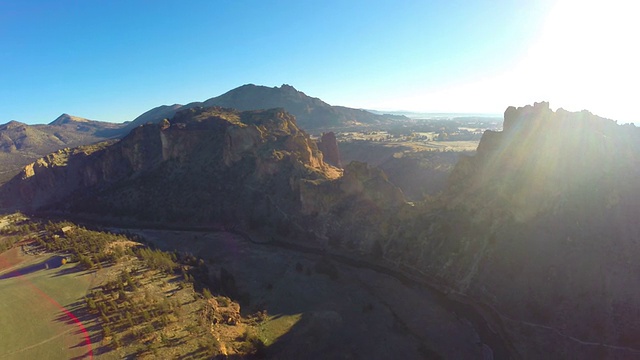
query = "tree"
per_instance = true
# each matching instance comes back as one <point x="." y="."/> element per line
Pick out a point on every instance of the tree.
<point x="106" y="331"/>
<point x="86" y="262"/>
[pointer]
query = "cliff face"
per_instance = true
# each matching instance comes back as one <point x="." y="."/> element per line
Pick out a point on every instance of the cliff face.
<point x="206" y="164"/>
<point x="543" y="225"/>
<point x="328" y="144"/>
<point x="357" y="212"/>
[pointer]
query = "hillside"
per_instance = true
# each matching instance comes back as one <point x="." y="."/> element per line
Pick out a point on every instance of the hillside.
<point x="208" y="164"/>
<point x="542" y="225"/>
<point x="214" y="166"/>
<point x="108" y="296"/>
<point x="21" y="144"/>
<point x="310" y="112"/>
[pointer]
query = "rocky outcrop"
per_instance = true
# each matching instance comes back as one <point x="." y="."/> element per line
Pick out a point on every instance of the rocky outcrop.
<point x="328" y="144"/>
<point x="542" y="225"/>
<point x="355" y="212"/>
<point x="359" y="180"/>
<point x="419" y="174"/>
<point x="205" y="164"/>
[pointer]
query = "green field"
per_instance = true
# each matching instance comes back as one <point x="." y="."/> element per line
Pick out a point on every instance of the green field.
<point x="34" y="326"/>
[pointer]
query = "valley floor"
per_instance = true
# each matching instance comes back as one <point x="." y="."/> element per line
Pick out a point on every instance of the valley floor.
<point x="315" y="307"/>
<point x="322" y="309"/>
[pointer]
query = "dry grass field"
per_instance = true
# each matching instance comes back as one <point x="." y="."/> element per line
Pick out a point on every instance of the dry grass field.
<point x="35" y="295"/>
<point x="120" y="300"/>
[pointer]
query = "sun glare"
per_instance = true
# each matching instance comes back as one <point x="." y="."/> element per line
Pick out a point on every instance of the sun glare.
<point x="585" y="58"/>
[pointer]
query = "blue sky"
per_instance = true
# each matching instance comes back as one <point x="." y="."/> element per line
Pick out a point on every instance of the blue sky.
<point x="113" y="60"/>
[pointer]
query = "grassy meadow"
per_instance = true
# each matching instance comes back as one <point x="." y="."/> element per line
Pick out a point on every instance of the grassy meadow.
<point x="34" y="326"/>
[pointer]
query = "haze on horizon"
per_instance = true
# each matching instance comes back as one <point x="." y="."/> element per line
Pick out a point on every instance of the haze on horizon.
<point x="114" y="60"/>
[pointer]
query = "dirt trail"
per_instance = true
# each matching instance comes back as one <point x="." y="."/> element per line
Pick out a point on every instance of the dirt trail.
<point x="37" y="344"/>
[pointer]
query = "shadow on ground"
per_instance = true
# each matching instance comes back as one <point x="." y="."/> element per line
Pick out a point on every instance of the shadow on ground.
<point x="53" y="262"/>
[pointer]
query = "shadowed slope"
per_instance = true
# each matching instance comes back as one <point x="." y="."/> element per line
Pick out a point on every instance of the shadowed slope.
<point x="207" y="165"/>
<point x="543" y="225"/>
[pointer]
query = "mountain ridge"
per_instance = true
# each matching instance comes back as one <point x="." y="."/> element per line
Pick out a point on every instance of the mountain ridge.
<point x="21" y="144"/>
<point x="66" y="119"/>
<point x="310" y="112"/>
<point x="210" y="142"/>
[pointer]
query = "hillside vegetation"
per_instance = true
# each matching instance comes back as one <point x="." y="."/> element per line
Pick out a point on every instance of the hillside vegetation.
<point x="141" y="302"/>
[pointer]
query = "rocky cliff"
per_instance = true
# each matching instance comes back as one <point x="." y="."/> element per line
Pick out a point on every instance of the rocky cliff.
<point x="328" y="144"/>
<point x="357" y="212"/>
<point x="543" y="226"/>
<point x="205" y="165"/>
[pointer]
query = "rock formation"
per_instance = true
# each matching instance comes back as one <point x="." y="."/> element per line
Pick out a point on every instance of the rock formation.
<point x="209" y="165"/>
<point x="328" y="144"/>
<point x="542" y="225"/>
<point x="355" y="212"/>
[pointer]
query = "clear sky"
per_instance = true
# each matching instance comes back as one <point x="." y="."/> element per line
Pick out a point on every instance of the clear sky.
<point x="113" y="60"/>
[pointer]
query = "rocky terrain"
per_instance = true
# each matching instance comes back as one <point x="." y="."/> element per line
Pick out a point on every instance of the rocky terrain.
<point x="321" y="308"/>
<point x="328" y="144"/>
<point x="196" y="169"/>
<point x="419" y="173"/>
<point x="21" y="144"/>
<point x="542" y="225"/>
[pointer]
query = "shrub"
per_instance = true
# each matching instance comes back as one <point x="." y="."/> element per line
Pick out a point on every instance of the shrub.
<point x="206" y="293"/>
<point x="252" y="344"/>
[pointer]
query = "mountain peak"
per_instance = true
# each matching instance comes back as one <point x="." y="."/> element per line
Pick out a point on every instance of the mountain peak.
<point x="310" y="112"/>
<point x="66" y="119"/>
<point x="287" y="87"/>
<point x="13" y="123"/>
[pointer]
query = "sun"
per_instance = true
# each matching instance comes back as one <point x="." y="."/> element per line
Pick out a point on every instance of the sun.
<point x="585" y="58"/>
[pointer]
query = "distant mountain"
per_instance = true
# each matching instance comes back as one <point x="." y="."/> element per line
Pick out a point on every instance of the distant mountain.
<point x="310" y="112"/>
<point x="21" y="144"/>
<point x="436" y="115"/>
<point x="154" y="115"/>
<point x="69" y="119"/>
